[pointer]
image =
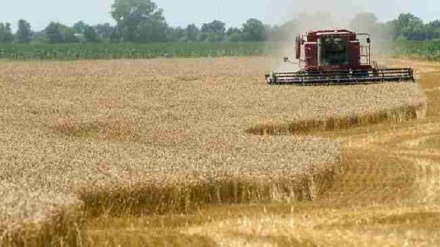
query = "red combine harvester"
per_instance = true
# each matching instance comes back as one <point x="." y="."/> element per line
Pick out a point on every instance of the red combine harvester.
<point x="337" y="57"/>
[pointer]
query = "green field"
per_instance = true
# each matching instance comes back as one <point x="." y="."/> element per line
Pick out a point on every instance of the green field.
<point x="426" y="50"/>
<point x="130" y="51"/>
<point x="429" y="50"/>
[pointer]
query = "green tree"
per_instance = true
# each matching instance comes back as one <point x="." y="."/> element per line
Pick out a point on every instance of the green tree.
<point x="54" y="33"/>
<point x="213" y="32"/>
<point x="104" y="31"/>
<point x="431" y="32"/>
<point x="234" y="34"/>
<point x="6" y="35"/>
<point x="24" y="33"/>
<point x="80" y="27"/>
<point x="404" y="20"/>
<point x="58" y="33"/>
<point x="90" y="35"/>
<point x="192" y="33"/>
<point x="115" y="36"/>
<point x="435" y="23"/>
<point x="433" y="29"/>
<point x="254" y="30"/>
<point x="139" y="21"/>
<point x="411" y="27"/>
<point x="176" y="35"/>
<point x="414" y="31"/>
<point x="69" y="35"/>
<point x="39" y="37"/>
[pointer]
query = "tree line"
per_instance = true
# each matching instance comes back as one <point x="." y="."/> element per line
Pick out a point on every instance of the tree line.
<point x="141" y="21"/>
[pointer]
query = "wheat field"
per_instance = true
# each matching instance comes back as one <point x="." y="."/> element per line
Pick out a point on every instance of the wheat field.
<point x="387" y="195"/>
<point x="102" y="141"/>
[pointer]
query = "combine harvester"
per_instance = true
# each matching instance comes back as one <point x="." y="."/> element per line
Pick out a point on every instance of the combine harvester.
<point x="330" y="57"/>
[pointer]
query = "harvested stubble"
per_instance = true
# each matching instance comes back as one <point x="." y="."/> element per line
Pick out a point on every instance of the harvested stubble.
<point x="137" y="137"/>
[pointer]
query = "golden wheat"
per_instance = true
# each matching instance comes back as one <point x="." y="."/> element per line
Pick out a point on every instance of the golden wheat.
<point x="143" y="137"/>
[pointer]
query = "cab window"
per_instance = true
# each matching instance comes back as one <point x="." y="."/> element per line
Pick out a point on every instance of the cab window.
<point x="335" y="51"/>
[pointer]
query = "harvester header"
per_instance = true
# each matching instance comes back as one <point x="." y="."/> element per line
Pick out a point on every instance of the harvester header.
<point x="337" y="57"/>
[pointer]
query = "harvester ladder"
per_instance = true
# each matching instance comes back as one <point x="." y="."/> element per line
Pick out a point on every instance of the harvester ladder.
<point x="365" y="50"/>
<point x="365" y="55"/>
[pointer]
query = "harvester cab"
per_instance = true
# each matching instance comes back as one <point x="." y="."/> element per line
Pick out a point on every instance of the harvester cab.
<point x="337" y="57"/>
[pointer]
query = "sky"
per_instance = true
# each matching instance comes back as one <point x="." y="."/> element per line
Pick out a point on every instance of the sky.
<point x="233" y="12"/>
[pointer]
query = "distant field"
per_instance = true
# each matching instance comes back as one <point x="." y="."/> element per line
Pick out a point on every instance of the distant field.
<point x="131" y="51"/>
<point x="426" y="50"/>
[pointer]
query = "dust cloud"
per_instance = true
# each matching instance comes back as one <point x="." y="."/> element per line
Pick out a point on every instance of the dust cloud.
<point x="303" y="16"/>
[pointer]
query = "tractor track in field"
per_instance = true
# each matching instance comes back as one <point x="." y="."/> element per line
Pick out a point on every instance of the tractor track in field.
<point x="388" y="194"/>
<point x="388" y="167"/>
